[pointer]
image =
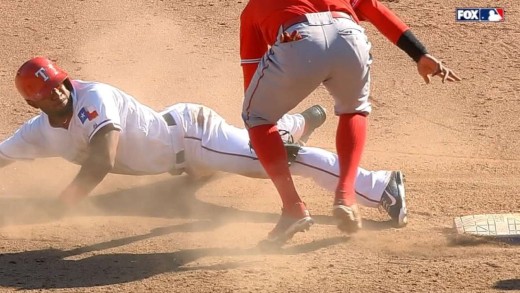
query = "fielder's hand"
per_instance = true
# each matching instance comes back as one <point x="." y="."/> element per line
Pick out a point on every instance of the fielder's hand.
<point x="428" y="66"/>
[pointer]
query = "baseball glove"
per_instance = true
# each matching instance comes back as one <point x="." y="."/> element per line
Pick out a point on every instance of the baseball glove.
<point x="291" y="147"/>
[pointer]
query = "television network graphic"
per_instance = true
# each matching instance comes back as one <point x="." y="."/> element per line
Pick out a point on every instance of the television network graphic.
<point x="488" y="14"/>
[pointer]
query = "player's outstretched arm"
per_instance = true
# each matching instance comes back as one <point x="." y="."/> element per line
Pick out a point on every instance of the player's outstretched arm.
<point x="100" y="161"/>
<point x="395" y="30"/>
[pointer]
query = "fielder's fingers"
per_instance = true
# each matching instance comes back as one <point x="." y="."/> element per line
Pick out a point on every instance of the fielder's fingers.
<point x="426" y="78"/>
<point x="450" y="79"/>
<point x="441" y="72"/>
<point x="450" y="76"/>
<point x="455" y="76"/>
<point x="445" y="75"/>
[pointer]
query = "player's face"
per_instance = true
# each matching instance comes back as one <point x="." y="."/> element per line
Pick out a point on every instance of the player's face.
<point x="56" y="103"/>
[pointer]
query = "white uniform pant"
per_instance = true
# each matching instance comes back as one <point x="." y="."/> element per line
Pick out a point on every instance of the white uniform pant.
<point x="212" y="145"/>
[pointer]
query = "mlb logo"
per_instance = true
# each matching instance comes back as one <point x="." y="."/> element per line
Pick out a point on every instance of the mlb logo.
<point x="492" y="14"/>
<point x="480" y="14"/>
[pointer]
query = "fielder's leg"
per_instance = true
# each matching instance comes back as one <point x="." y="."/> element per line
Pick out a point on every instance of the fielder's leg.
<point x="349" y="85"/>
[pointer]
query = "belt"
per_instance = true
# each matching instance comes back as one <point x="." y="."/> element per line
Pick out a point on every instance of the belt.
<point x="303" y="18"/>
<point x="169" y="119"/>
<point x="179" y="157"/>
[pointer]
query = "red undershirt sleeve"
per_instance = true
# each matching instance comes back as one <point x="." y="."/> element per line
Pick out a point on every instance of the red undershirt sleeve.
<point x="382" y="18"/>
<point x="391" y="26"/>
<point x="252" y="47"/>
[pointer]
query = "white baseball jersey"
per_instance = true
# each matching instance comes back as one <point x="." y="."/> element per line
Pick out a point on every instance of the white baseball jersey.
<point x="145" y="144"/>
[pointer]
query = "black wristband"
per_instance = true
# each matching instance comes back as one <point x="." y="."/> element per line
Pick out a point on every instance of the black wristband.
<point x="411" y="45"/>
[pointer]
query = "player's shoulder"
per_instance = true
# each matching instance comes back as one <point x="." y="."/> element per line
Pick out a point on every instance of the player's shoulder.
<point x="82" y="86"/>
<point x="38" y="119"/>
<point x="37" y="123"/>
<point x="91" y="92"/>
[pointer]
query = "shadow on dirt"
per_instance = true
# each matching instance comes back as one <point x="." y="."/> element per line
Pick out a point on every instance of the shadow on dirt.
<point x="51" y="268"/>
<point x="173" y="198"/>
<point x="86" y="267"/>
<point x="506" y="285"/>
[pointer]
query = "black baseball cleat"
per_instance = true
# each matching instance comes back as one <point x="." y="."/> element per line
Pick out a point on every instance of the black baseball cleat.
<point x="393" y="200"/>
<point x="314" y="117"/>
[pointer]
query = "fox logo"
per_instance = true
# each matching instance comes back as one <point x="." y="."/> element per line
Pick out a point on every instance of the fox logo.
<point x="480" y="14"/>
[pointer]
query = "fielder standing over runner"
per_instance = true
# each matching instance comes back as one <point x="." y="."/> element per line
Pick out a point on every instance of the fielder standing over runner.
<point x="287" y="49"/>
<point x="105" y="130"/>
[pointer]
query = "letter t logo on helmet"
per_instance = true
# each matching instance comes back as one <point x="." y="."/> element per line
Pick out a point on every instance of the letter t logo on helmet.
<point x="41" y="73"/>
<point x="37" y="77"/>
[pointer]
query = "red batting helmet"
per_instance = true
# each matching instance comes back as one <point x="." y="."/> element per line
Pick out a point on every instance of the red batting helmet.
<point x="37" y="77"/>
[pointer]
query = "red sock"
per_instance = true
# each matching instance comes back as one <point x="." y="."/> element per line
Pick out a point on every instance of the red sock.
<point x="269" y="149"/>
<point x="350" y="142"/>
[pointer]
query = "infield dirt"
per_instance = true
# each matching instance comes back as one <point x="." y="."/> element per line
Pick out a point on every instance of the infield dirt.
<point x="458" y="145"/>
